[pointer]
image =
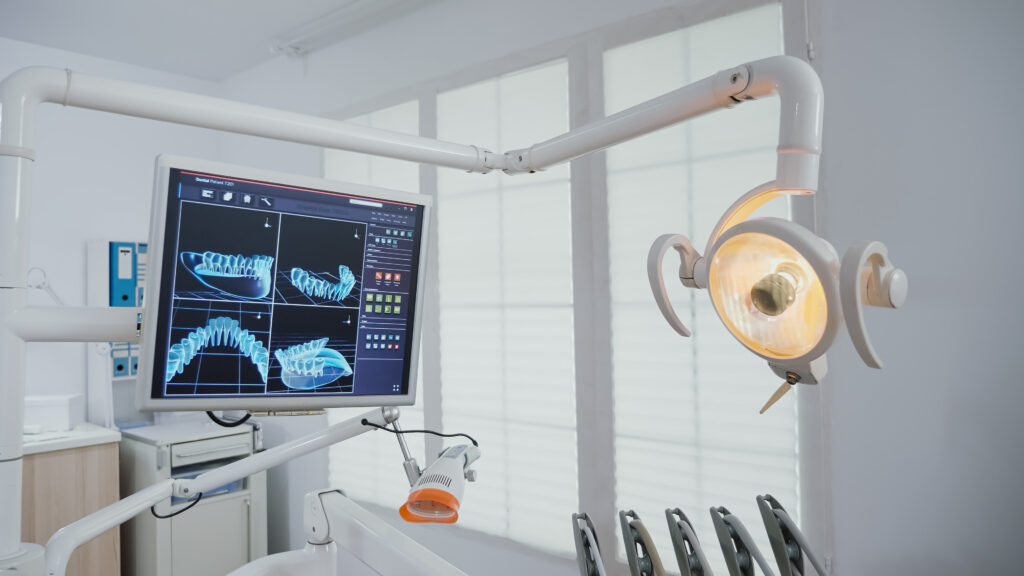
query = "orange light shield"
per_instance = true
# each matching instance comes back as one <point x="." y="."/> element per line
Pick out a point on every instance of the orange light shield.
<point x="430" y="505"/>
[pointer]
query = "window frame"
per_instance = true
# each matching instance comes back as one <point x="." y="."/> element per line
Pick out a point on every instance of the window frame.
<point x="591" y="309"/>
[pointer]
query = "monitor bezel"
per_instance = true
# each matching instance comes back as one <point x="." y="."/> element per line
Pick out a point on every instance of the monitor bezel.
<point x="158" y="217"/>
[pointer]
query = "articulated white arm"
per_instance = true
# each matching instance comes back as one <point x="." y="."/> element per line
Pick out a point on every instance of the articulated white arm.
<point x="69" y="538"/>
<point x="795" y="82"/>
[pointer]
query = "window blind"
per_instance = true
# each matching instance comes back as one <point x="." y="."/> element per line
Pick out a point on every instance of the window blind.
<point x="506" y="309"/>
<point x="687" y="428"/>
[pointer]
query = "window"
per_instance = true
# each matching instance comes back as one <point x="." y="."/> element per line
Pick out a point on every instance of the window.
<point x="686" y="428"/>
<point x="505" y="270"/>
<point x="369" y="467"/>
<point x="687" y="431"/>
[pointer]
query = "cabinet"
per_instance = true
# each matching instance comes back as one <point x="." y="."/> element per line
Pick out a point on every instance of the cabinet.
<point x="226" y="529"/>
<point x="64" y="479"/>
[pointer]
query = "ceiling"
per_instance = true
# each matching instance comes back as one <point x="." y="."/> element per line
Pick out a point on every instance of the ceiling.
<point x="207" y="39"/>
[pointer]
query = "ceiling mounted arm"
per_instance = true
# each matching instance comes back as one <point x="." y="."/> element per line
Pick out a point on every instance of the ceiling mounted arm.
<point x="795" y="82"/>
<point x="801" y="113"/>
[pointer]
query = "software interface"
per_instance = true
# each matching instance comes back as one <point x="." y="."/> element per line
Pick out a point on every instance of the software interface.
<point x="280" y="290"/>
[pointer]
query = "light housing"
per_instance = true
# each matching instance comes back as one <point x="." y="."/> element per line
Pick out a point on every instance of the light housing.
<point x="436" y="495"/>
<point x="779" y="288"/>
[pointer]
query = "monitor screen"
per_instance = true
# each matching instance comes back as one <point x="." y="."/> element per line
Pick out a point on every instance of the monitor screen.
<point x="275" y="292"/>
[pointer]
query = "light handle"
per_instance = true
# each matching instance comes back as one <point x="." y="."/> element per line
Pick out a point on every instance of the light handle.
<point x="688" y="260"/>
<point x="882" y="284"/>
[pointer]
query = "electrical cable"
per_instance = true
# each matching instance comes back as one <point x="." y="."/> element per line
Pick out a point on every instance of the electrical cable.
<point x="366" y="422"/>
<point x="229" y="423"/>
<point x="152" y="509"/>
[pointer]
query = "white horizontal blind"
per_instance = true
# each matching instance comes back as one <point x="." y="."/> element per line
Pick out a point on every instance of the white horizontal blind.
<point x="687" y="429"/>
<point x="369" y="467"/>
<point x="506" y="310"/>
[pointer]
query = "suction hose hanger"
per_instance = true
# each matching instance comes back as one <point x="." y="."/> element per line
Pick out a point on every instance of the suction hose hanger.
<point x="689" y="553"/>
<point x="738" y="547"/>
<point x="788" y="542"/>
<point x="588" y="552"/>
<point x="641" y="554"/>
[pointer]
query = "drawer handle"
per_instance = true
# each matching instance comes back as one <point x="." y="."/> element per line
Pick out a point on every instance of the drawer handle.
<point x="211" y="451"/>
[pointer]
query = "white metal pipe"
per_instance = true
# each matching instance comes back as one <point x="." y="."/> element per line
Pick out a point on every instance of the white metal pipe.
<point x="15" y="180"/>
<point x="284" y="452"/>
<point x="801" y="110"/>
<point x="39" y="84"/>
<point x="20" y="93"/>
<point x="69" y="538"/>
<point x="76" y="324"/>
<point x="10" y="508"/>
<point x="712" y="93"/>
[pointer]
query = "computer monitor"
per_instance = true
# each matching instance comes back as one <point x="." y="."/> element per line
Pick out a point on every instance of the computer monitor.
<point x="274" y="292"/>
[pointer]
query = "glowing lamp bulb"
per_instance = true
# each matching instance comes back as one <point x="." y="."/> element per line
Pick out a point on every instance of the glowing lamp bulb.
<point x="768" y="295"/>
<point x="773" y="294"/>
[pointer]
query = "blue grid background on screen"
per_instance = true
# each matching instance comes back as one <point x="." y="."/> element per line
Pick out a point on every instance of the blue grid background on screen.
<point x="285" y="292"/>
<point x="218" y="369"/>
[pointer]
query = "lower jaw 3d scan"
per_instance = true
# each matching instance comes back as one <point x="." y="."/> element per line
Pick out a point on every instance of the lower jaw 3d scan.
<point x="311" y="285"/>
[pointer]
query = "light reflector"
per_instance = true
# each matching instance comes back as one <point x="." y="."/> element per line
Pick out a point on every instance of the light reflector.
<point x="768" y="295"/>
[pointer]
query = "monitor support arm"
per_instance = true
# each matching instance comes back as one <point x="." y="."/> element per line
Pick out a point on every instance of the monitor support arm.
<point x="793" y="80"/>
<point x="69" y="538"/>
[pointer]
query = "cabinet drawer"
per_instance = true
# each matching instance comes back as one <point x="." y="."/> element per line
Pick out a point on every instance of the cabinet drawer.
<point x="187" y="453"/>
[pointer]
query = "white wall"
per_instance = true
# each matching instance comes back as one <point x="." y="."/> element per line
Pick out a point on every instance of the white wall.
<point x="93" y="180"/>
<point x="923" y="151"/>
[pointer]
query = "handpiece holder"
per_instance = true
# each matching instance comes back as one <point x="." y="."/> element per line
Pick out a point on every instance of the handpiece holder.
<point x="588" y="551"/>
<point x="641" y="554"/>
<point x="689" y="553"/>
<point x="788" y="542"/>
<point x="738" y="546"/>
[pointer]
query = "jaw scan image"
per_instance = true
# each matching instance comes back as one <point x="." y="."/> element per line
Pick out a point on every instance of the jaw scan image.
<point x="228" y="253"/>
<point x="320" y="261"/>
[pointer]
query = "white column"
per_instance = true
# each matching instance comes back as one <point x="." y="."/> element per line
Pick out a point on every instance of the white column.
<point x="15" y="176"/>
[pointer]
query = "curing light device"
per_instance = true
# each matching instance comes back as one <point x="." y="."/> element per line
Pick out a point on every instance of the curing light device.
<point x="437" y="493"/>
<point x="780" y="289"/>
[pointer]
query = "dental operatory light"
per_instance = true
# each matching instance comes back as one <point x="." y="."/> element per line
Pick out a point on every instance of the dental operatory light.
<point x="437" y="494"/>
<point x="780" y="289"/>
